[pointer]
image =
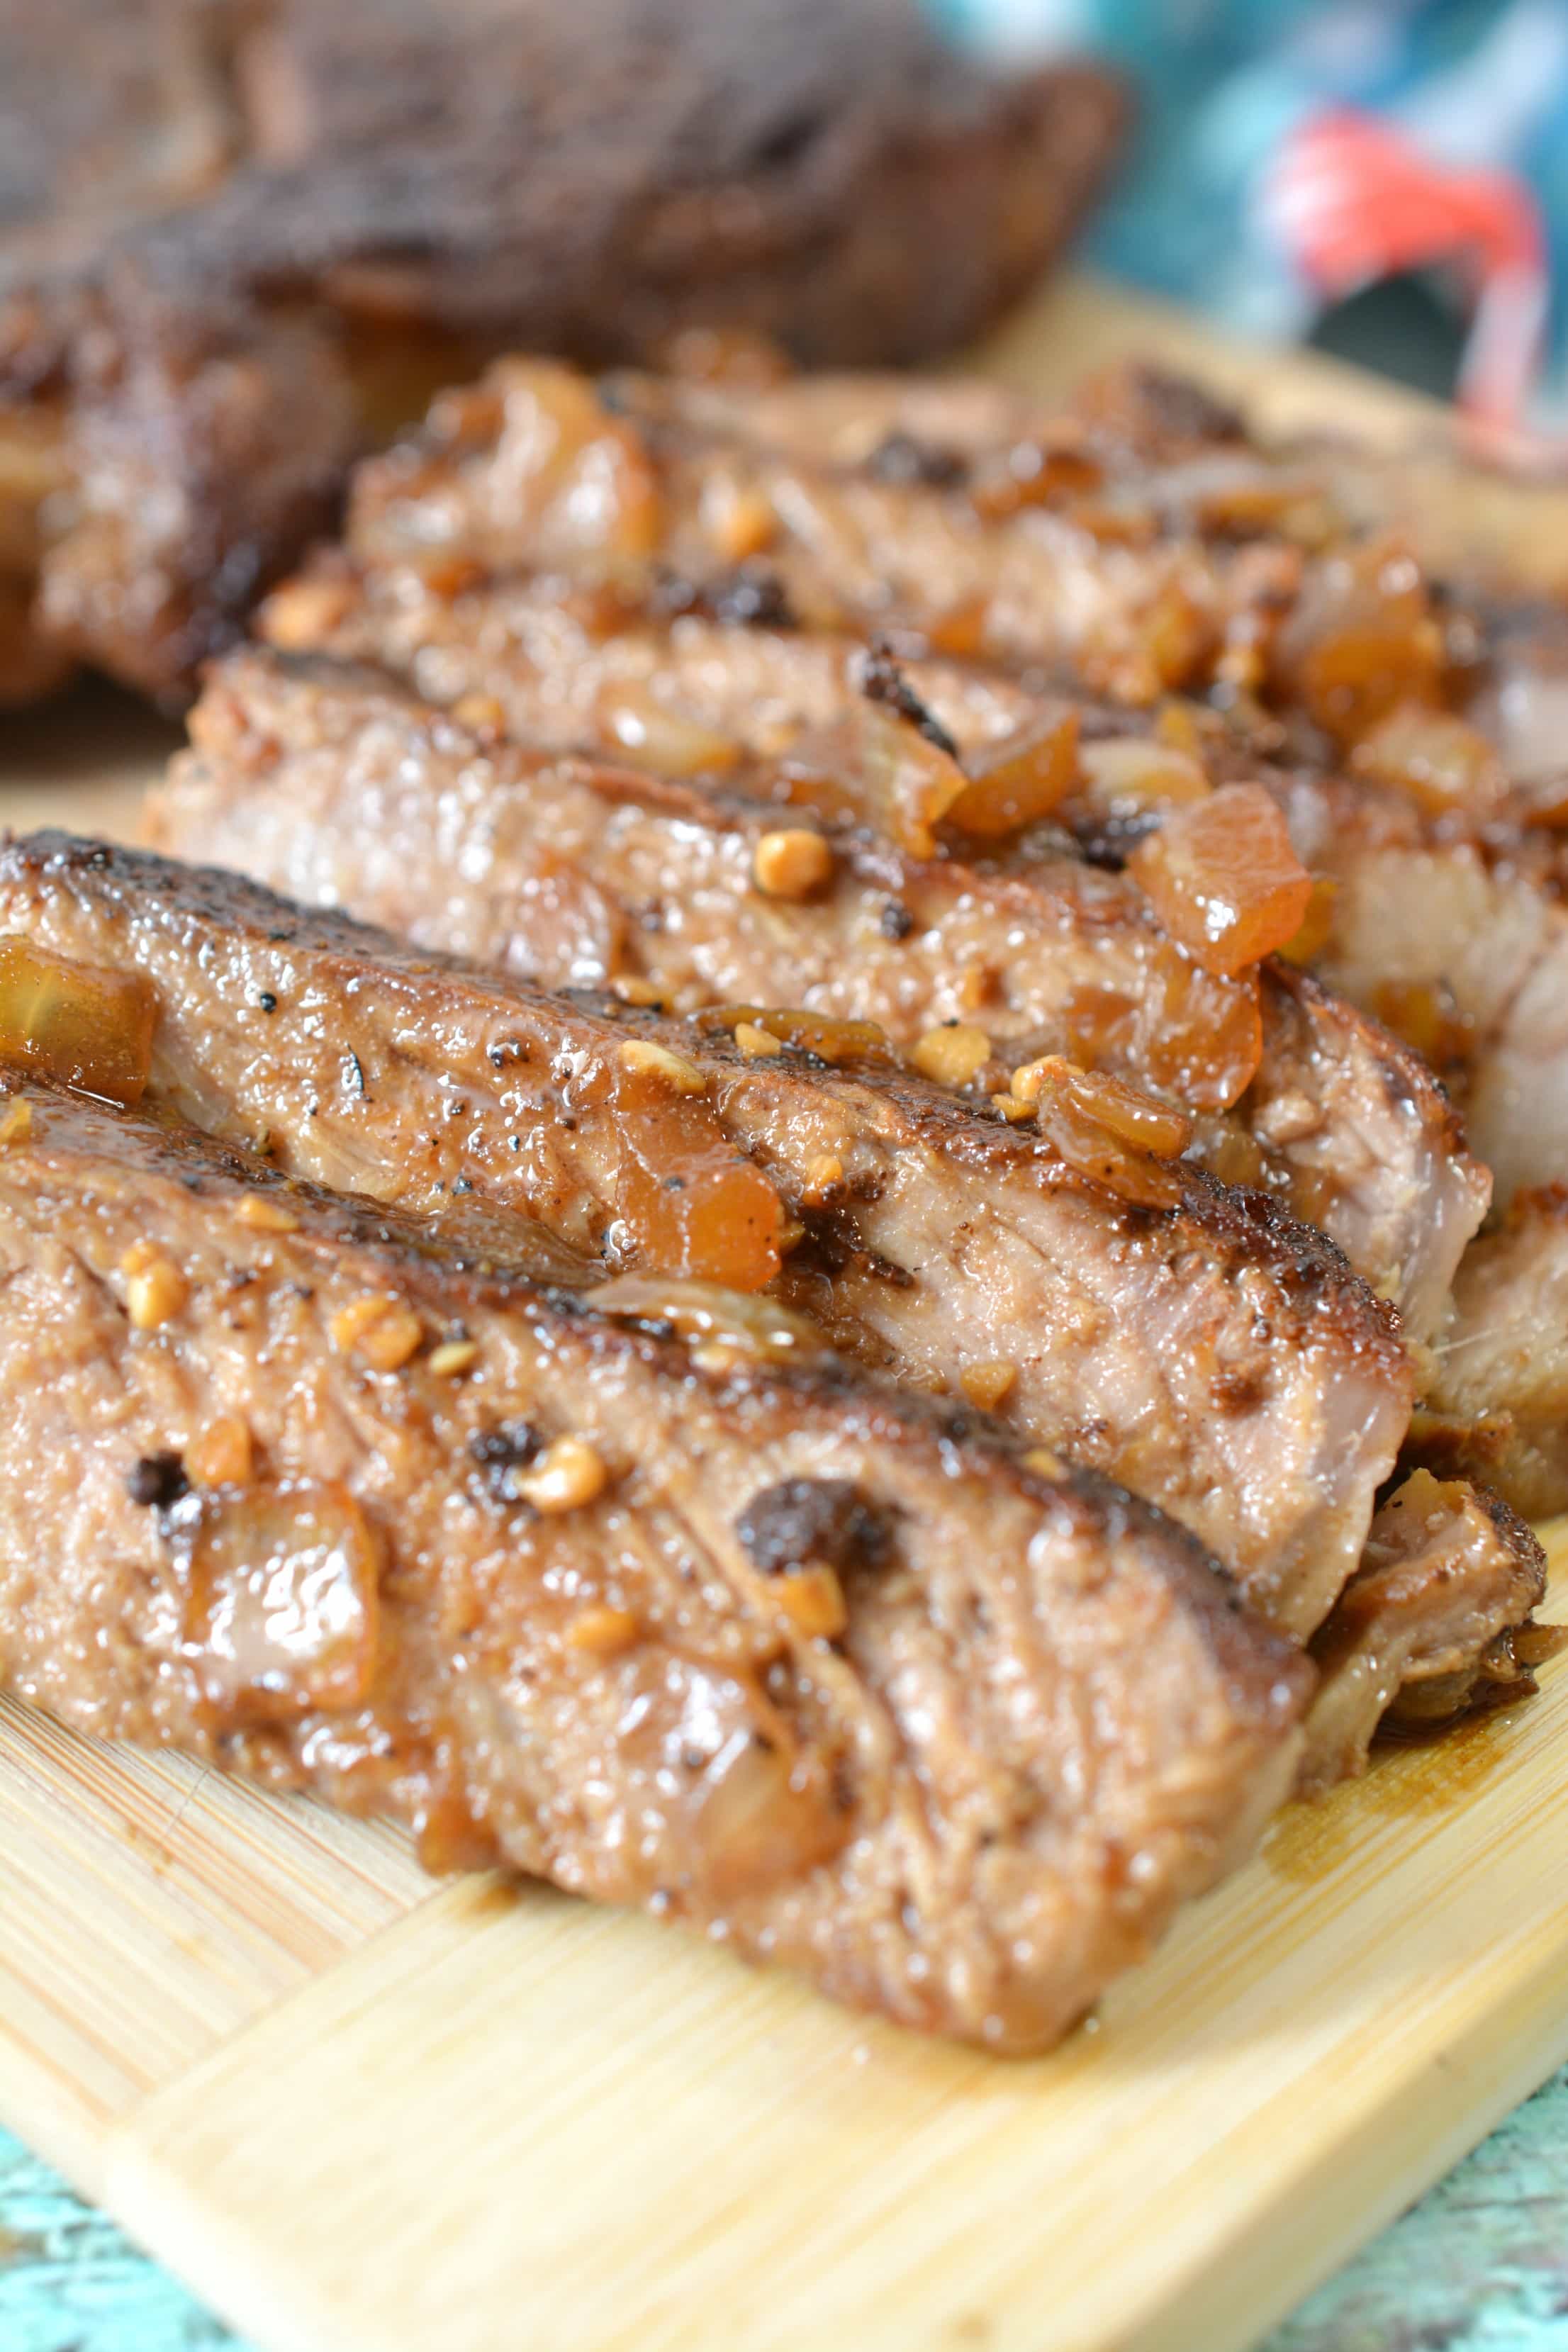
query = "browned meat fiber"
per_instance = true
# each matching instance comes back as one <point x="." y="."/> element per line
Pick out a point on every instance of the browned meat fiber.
<point x="1435" y="1622"/>
<point x="328" y="784"/>
<point x="950" y="1735"/>
<point x="238" y="241"/>
<point x="1200" y="1344"/>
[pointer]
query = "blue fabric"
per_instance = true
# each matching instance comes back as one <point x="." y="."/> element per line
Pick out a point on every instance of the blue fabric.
<point x="1223" y="84"/>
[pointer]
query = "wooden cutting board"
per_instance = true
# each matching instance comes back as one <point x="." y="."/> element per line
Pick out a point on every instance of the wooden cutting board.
<point x="361" y="2113"/>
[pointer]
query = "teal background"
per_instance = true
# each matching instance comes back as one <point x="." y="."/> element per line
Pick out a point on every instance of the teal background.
<point x="1480" y="2265"/>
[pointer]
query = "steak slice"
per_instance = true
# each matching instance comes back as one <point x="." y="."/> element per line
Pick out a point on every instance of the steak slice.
<point x="1220" y="1356"/>
<point x="557" y="871"/>
<point x="353" y="206"/>
<point x="1436" y="1621"/>
<point x="766" y="1647"/>
<point x="1498" y="1406"/>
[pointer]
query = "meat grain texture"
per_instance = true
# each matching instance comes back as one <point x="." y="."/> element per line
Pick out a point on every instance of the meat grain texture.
<point x="1197" y="1344"/>
<point x="302" y="1543"/>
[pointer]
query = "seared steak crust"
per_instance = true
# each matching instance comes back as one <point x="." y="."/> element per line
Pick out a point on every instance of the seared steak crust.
<point x="1220" y="1357"/>
<point x="576" y="875"/>
<point x="1041" y="1723"/>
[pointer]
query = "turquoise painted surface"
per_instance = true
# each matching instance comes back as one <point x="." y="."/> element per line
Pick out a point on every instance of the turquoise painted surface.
<point x="1480" y="2265"/>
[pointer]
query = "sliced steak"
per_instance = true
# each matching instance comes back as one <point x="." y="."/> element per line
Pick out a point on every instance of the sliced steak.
<point x="1128" y="1308"/>
<point x="1436" y="1621"/>
<point x="1498" y="1406"/>
<point x="576" y="876"/>
<point x="770" y="1648"/>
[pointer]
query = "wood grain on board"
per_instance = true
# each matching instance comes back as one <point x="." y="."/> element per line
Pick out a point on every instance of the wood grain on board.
<point x="361" y="2113"/>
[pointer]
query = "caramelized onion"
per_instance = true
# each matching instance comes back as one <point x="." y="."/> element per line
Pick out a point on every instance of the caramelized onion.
<point x="1131" y="775"/>
<point x="1107" y="1131"/>
<point x="1441" y="760"/>
<point x="1362" y="641"/>
<point x="83" y="1026"/>
<point x="700" y="1311"/>
<point x="1035" y="473"/>
<point x="651" y="734"/>
<point x="281" y="1610"/>
<point x="819" y="1033"/>
<point x="911" y="781"/>
<point x="1017" y="782"/>
<point x="1224" y="879"/>
<point x="582" y="477"/>
<point x="691" y="1203"/>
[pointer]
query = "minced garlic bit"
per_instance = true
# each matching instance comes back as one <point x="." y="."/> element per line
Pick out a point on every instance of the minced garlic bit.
<point x="792" y="863"/>
<point x="633" y="988"/>
<point x="953" y="1056"/>
<point x="656" y="1061"/>
<point x="814" y="1599"/>
<point x="739" y="521"/>
<point x="17" y="1123"/>
<point x="298" y="615"/>
<point x="1012" y="1108"/>
<point x="452" y="1357"/>
<point x="757" y="1044"/>
<point x="265" y="1215"/>
<point x="1030" y="1077"/>
<point x="378" y="1328"/>
<point x="822" y="1175"/>
<point x="220" y="1454"/>
<point x="603" y="1630"/>
<point x="481" y="714"/>
<point x="155" y="1291"/>
<point x="1041" y="1458"/>
<point x="985" y="1385"/>
<point x="567" y="1475"/>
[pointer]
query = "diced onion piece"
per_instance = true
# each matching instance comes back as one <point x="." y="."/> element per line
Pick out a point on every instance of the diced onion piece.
<point x="1131" y="775"/>
<point x="1441" y="760"/>
<point x="280" y="1614"/>
<point x="1224" y="879"/>
<point x="1317" y="928"/>
<point x="960" y="632"/>
<point x="1362" y="641"/>
<point x="81" y="1025"/>
<point x="691" y="1203"/>
<point x="1035" y="473"/>
<point x="819" y="1033"/>
<point x="583" y="475"/>
<point x="739" y="356"/>
<point x="700" y="1311"/>
<point x="1020" y="780"/>
<point x="1125" y="1111"/>
<point x="1107" y="1130"/>
<point x="911" y="782"/>
<point x="651" y="734"/>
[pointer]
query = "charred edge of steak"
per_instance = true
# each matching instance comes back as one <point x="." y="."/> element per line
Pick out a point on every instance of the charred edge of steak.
<point x="882" y="680"/>
<point x="747" y="596"/>
<point x="803" y="1520"/>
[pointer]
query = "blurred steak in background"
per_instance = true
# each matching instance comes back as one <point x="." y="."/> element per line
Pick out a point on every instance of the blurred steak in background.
<point x="242" y="239"/>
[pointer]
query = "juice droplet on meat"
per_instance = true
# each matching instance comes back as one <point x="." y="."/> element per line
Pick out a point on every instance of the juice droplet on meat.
<point x="85" y="1027"/>
<point x="281" y="1608"/>
<point x="1223" y="878"/>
